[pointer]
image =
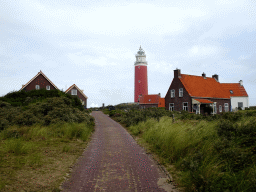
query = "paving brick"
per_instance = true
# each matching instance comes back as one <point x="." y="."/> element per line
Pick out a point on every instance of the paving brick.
<point x="113" y="161"/>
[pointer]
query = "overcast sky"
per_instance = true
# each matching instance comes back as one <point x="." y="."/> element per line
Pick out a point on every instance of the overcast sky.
<point x="93" y="44"/>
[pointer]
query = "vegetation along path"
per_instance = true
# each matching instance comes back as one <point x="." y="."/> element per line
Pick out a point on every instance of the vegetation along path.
<point x="114" y="162"/>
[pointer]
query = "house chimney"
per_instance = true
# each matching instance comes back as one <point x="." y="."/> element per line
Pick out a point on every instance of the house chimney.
<point x="216" y="77"/>
<point x="177" y="73"/>
<point x="241" y="83"/>
<point x="203" y="75"/>
<point x="159" y="94"/>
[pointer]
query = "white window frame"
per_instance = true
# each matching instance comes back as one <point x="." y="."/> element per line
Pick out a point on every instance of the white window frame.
<point x="172" y="93"/>
<point x="180" y="92"/>
<point x="214" y="106"/>
<point x="185" y="108"/>
<point x="73" y="92"/>
<point x="37" y="87"/>
<point x="226" y="107"/>
<point x="220" y="108"/>
<point x="171" y="108"/>
<point x="48" y="87"/>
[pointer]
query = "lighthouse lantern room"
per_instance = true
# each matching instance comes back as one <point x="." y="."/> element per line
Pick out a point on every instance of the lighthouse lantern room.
<point x="141" y="76"/>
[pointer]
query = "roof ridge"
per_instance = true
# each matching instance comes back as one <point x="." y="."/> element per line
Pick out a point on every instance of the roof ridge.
<point x="40" y="72"/>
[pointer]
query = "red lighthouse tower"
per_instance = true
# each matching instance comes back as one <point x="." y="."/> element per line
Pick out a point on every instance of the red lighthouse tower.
<point x="141" y="75"/>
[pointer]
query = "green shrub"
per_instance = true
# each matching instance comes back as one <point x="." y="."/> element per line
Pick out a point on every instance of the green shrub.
<point x="3" y="123"/>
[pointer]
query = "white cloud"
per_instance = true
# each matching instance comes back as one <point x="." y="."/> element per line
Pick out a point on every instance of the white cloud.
<point x="161" y="67"/>
<point x="203" y="51"/>
<point x="120" y="20"/>
<point x="94" y="105"/>
<point x="244" y="57"/>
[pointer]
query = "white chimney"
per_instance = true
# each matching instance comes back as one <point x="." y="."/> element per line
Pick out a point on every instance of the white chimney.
<point x="241" y="83"/>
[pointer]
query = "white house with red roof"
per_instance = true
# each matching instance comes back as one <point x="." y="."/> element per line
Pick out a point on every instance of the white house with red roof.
<point x="238" y="95"/>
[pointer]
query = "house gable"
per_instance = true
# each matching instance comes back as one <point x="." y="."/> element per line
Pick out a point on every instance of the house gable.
<point x="177" y="100"/>
<point x="40" y="79"/>
<point x="80" y="93"/>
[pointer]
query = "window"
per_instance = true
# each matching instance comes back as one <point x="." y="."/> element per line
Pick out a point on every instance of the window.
<point x="231" y="91"/>
<point x="37" y="87"/>
<point x="185" y="106"/>
<point x="220" y="108"/>
<point x="181" y="92"/>
<point x="214" y="107"/>
<point x="73" y="92"/>
<point x="172" y="93"/>
<point x="149" y="100"/>
<point x="171" y="106"/>
<point x="226" y="107"/>
<point x="240" y="104"/>
<point x="48" y="87"/>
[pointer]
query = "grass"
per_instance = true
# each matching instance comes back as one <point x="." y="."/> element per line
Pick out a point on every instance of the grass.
<point x="200" y="154"/>
<point x="37" y="158"/>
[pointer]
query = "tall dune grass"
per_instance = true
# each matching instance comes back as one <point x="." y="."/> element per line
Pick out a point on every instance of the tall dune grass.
<point x="207" y="161"/>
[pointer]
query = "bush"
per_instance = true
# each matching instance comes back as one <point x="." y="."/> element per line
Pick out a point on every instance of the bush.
<point x="49" y="111"/>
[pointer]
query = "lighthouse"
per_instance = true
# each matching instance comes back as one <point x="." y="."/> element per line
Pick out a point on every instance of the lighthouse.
<point x="141" y="75"/>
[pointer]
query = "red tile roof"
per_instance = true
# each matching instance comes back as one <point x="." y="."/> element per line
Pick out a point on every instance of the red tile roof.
<point x="74" y="85"/>
<point x="161" y="102"/>
<point x="236" y="88"/>
<point x="198" y="86"/>
<point x="152" y="99"/>
<point x="149" y="99"/>
<point x="203" y="101"/>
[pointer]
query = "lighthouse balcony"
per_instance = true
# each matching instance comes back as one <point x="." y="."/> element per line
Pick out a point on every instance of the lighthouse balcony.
<point x="140" y="63"/>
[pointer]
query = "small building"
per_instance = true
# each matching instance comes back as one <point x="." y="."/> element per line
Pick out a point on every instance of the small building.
<point x="238" y="95"/>
<point x="199" y="94"/>
<point x="40" y="81"/>
<point x="74" y="90"/>
<point x="154" y="100"/>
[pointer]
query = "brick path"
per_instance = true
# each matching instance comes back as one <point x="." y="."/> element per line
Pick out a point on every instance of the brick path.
<point x="114" y="162"/>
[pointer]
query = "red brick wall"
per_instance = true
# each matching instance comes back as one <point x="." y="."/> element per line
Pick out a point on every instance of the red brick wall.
<point x="178" y="101"/>
<point x="40" y="80"/>
<point x="80" y="96"/>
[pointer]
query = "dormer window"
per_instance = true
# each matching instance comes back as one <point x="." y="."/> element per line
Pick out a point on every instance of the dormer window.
<point x="231" y="91"/>
<point x="73" y="92"/>
<point x="149" y="100"/>
<point x="48" y="87"/>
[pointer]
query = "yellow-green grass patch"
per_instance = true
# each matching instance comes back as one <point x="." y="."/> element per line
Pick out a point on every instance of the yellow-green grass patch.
<point x="41" y="162"/>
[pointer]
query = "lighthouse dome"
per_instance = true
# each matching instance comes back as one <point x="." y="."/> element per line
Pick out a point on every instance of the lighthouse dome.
<point x="141" y="51"/>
